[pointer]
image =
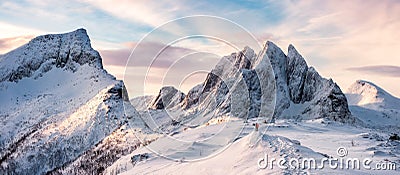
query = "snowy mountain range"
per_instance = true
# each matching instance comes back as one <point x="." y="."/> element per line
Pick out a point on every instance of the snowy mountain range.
<point x="62" y="113"/>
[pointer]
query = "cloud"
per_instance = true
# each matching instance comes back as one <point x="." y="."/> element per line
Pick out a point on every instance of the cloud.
<point x="330" y="35"/>
<point x="151" y="13"/>
<point x="144" y="55"/>
<point x="115" y="57"/>
<point x="8" y="44"/>
<point x="384" y="70"/>
<point x="153" y="65"/>
<point x="61" y="16"/>
<point x="13" y="36"/>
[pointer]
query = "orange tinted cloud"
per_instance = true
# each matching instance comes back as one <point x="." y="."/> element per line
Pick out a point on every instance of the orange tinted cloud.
<point x="8" y="44"/>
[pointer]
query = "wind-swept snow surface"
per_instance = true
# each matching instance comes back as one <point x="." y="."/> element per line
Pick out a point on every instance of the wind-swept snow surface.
<point x="314" y="139"/>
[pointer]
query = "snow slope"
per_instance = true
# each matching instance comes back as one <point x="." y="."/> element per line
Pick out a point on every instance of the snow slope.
<point x="141" y="103"/>
<point x="315" y="139"/>
<point x="239" y="158"/>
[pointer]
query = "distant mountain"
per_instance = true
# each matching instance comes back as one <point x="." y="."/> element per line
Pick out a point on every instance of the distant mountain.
<point x="60" y="108"/>
<point x="369" y="95"/>
<point x="166" y="98"/>
<point x="373" y="105"/>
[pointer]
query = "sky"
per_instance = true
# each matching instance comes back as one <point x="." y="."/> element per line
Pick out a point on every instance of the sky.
<point x="343" y="40"/>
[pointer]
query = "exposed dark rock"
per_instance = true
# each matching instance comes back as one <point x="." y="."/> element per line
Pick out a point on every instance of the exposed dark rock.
<point x="120" y="90"/>
<point x="167" y="97"/>
<point x="297" y="71"/>
<point x="192" y="98"/>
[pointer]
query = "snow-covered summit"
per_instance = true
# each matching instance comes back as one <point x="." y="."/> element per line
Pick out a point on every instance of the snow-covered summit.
<point x="374" y="106"/>
<point x="59" y="109"/>
<point x="366" y="93"/>
<point x="45" y="52"/>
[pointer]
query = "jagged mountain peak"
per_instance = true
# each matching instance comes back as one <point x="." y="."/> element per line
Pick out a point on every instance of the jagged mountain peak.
<point x="271" y="45"/>
<point x="301" y="91"/>
<point x="247" y="49"/>
<point x="291" y="48"/>
<point x="297" y="90"/>
<point x="276" y="55"/>
<point x="41" y="54"/>
<point x="168" y="97"/>
<point x="293" y="53"/>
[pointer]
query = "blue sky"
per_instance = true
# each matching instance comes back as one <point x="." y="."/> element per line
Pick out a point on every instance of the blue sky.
<point x="343" y="40"/>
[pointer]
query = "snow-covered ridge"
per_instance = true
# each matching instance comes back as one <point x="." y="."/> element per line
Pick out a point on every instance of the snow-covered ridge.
<point x="366" y="93"/>
<point x="61" y="110"/>
<point x="48" y="51"/>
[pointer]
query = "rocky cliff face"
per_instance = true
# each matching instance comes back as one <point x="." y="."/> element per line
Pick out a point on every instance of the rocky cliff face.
<point x="301" y="92"/>
<point x="168" y="97"/>
<point x="234" y="87"/>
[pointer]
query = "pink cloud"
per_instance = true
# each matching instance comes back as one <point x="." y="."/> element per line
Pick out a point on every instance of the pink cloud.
<point x="384" y="70"/>
<point x="8" y="44"/>
<point x="147" y="51"/>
